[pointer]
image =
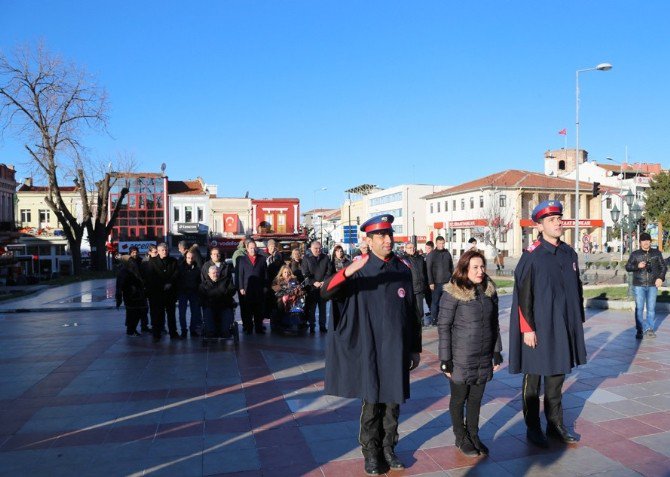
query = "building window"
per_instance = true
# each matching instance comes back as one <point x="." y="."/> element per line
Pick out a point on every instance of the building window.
<point x="463" y="235"/>
<point x="398" y="229"/>
<point x="453" y="205"/>
<point x="431" y="208"/>
<point x="503" y="201"/>
<point x="176" y="214"/>
<point x="201" y="214"/>
<point x="188" y="214"/>
<point x="462" y="204"/>
<point x="25" y="215"/>
<point x="446" y="206"/>
<point x="503" y="237"/>
<point x="481" y="201"/>
<point x="438" y="207"/>
<point x="45" y="216"/>
<point x="561" y="165"/>
<point x="472" y="202"/>
<point x="385" y="199"/>
<point x="608" y="203"/>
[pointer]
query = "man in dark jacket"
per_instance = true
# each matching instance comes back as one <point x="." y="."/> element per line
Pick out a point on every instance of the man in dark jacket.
<point x="419" y="277"/>
<point x="252" y="284"/>
<point x="217" y="294"/>
<point x="648" y="270"/>
<point x="546" y="334"/>
<point x="214" y="259"/>
<point x="315" y="268"/>
<point x="162" y="280"/>
<point x="375" y="342"/>
<point x="130" y="291"/>
<point x="189" y="281"/>
<point x="439" y="267"/>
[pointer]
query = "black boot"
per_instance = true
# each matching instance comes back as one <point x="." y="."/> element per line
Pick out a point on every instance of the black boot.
<point x="373" y="464"/>
<point x="466" y="447"/>
<point x="479" y="445"/>
<point x="560" y="432"/>
<point x="392" y="459"/>
<point x="537" y="437"/>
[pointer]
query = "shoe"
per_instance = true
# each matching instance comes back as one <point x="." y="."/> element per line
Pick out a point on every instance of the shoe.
<point x="639" y="335"/>
<point x="372" y="464"/>
<point x="184" y="335"/>
<point x="537" y="437"/>
<point x="392" y="459"/>
<point x="146" y="329"/>
<point x="560" y="432"/>
<point x="466" y="447"/>
<point x="650" y="333"/>
<point x="133" y="333"/>
<point x="311" y="331"/>
<point x="479" y="445"/>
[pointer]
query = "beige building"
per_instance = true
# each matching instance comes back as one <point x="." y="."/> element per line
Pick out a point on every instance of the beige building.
<point x="496" y="210"/>
<point x="230" y="217"/>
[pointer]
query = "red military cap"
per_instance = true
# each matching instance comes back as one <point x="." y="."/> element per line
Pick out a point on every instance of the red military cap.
<point x="378" y="224"/>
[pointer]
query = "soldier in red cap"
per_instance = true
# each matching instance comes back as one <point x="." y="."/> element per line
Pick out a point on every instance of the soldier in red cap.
<point x="546" y="332"/>
<point x="375" y="341"/>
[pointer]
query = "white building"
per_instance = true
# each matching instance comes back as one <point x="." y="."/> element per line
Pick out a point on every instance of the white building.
<point x="189" y="209"/>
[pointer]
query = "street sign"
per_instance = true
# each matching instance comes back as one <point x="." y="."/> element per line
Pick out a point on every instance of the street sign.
<point x="350" y="234"/>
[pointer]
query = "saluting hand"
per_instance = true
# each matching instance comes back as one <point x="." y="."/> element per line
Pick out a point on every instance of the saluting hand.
<point x="530" y="339"/>
<point x="355" y="266"/>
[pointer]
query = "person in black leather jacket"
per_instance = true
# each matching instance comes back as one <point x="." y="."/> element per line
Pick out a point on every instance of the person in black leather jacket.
<point x="648" y="270"/>
<point x="439" y="266"/>
<point x="417" y="264"/>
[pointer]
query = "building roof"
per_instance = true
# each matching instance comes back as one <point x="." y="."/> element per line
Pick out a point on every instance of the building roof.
<point x="29" y="188"/>
<point x="640" y="167"/>
<point x="137" y="175"/>
<point x="511" y="179"/>
<point x="324" y="212"/>
<point x="193" y="187"/>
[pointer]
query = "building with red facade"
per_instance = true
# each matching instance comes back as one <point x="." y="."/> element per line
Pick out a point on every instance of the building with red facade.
<point x="276" y="216"/>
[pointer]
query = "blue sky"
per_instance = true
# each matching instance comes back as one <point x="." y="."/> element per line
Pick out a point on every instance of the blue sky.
<point x="280" y="98"/>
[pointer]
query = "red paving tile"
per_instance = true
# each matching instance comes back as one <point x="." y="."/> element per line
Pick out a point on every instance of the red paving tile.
<point x="653" y="468"/>
<point x="629" y="427"/>
<point x="286" y="456"/>
<point x="344" y="468"/>
<point x="628" y="452"/>
<point x="451" y="458"/>
<point x="416" y="463"/>
<point x="659" y="420"/>
<point x="589" y="433"/>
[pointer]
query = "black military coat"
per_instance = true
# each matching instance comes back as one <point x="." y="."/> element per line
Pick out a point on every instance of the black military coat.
<point x="373" y="333"/>
<point x="548" y="300"/>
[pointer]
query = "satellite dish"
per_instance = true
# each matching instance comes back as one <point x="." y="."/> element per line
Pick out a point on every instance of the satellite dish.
<point x="163" y="167"/>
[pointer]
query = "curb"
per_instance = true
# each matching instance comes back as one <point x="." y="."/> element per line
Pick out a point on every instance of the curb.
<point x="59" y="309"/>
<point x="619" y="305"/>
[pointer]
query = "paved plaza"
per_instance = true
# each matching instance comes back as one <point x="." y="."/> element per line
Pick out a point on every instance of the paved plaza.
<point x="79" y="397"/>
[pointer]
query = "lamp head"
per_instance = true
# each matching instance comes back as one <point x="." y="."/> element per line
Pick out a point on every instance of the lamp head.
<point x="604" y="67"/>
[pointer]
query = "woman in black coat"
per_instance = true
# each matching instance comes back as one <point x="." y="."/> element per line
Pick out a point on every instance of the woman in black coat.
<point x="217" y="294"/>
<point x="469" y="345"/>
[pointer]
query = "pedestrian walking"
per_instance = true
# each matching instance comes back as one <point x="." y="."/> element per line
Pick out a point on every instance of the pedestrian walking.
<point x="439" y="266"/>
<point x="469" y="346"/>
<point x="162" y="278"/>
<point x="648" y="269"/>
<point x="374" y="342"/>
<point x="546" y="335"/>
<point x="315" y="269"/>
<point x="252" y="285"/>
<point x="189" y="298"/>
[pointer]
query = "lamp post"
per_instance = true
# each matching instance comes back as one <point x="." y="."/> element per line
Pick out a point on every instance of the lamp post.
<point x="629" y="222"/>
<point x="320" y="215"/>
<point x="621" y="198"/>
<point x="600" y="67"/>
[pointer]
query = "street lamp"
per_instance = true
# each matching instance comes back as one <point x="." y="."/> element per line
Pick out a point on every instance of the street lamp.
<point x="320" y="215"/>
<point x="600" y="67"/>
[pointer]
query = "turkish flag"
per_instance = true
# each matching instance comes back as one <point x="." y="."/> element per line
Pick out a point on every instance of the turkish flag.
<point x="230" y="223"/>
<point x="563" y="132"/>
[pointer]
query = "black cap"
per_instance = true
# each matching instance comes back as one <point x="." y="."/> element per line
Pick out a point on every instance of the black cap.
<point x="645" y="236"/>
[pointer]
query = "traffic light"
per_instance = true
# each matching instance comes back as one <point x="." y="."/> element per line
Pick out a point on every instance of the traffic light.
<point x="596" y="189"/>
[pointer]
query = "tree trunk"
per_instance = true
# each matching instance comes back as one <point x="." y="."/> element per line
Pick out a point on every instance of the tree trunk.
<point x="75" y="252"/>
<point x="99" y="243"/>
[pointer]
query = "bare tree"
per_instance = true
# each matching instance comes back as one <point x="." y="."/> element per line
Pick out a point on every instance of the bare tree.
<point x="498" y="222"/>
<point x="50" y="105"/>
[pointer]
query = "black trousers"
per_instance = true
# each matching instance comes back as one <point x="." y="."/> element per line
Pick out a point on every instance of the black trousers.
<point x="419" y="308"/>
<point x="159" y="309"/>
<point x="469" y="395"/>
<point x="553" y="393"/>
<point x="252" y="309"/>
<point x="314" y="300"/>
<point x="133" y="317"/>
<point x="379" y="426"/>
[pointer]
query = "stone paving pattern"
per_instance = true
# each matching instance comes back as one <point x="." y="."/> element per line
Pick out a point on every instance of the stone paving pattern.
<point x="88" y="400"/>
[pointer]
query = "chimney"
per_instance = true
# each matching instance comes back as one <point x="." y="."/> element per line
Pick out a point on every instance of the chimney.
<point x="28" y="181"/>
